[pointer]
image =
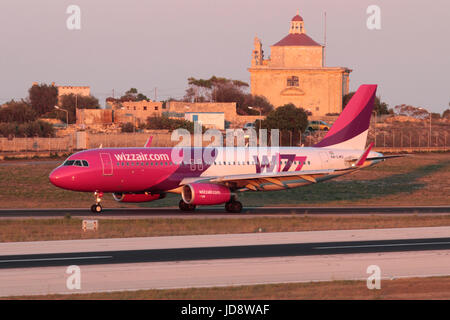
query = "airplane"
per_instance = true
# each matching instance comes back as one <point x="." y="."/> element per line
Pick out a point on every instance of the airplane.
<point x="149" y="173"/>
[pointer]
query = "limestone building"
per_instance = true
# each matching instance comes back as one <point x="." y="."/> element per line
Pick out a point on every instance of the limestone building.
<point x="76" y="90"/>
<point x="134" y="111"/>
<point x="295" y="73"/>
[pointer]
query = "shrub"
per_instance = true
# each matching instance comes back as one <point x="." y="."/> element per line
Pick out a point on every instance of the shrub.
<point x="29" y="129"/>
<point x="165" y="123"/>
<point x="127" y="127"/>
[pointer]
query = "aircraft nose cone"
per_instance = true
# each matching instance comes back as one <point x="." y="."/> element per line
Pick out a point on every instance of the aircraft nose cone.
<point x="62" y="178"/>
<point x="53" y="177"/>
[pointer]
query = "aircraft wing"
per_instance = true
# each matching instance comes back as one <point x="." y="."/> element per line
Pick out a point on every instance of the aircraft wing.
<point x="273" y="175"/>
<point x="387" y="157"/>
<point x="255" y="181"/>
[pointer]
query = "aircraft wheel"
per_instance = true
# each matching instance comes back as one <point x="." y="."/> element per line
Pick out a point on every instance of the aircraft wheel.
<point x="186" y="207"/>
<point x="233" y="207"/>
<point x="96" y="208"/>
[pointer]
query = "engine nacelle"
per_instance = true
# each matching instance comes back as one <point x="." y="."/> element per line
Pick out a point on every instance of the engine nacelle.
<point x="137" y="197"/>
<point x="205" y="194"/>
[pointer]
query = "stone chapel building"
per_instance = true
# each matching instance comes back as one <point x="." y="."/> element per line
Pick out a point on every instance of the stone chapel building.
<point x="295" y="73"/>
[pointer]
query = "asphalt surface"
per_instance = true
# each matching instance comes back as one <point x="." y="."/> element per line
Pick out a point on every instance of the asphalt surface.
<point x="219" y="211"/>
<point x="224" y="252"/>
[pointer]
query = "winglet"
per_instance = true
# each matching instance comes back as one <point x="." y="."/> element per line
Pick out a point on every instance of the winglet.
<point x="149" y="142"/>
<point x="363" y="157"/>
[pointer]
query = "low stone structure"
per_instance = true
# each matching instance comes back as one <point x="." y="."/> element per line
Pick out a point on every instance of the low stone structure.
<point x="178" y="109"/>
<point x="90" y="117"/>
<point x="134" y="111"/>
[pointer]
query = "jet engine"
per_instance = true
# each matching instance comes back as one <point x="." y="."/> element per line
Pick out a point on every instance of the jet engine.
<point x="137" y="197"/>
<point x="205" y="194"/>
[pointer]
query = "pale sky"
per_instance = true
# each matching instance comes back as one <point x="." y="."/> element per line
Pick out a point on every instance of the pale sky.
<point x="160" y="43"/>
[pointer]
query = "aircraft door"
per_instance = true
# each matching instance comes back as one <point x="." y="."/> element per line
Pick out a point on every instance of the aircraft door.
<point x="106" y="164"/>
<point x="324" y="159"/>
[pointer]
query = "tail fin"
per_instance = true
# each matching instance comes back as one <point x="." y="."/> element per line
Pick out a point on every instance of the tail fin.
<point x="350" y="129"/>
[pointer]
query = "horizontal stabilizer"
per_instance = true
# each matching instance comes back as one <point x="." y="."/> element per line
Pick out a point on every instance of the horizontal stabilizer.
<point x="387" y="157"/>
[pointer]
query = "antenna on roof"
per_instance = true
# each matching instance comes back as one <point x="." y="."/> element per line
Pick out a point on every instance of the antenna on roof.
<point x="324" y="38"/>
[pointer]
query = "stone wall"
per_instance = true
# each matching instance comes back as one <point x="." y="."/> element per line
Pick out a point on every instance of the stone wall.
<point x="180" y="108"/>
<point x="295" y="57"/>
<point x="94" y="116"/>
<point x="319" y="90"/>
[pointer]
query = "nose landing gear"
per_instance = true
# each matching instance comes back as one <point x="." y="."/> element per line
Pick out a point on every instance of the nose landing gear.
<point x="97" y="208"/>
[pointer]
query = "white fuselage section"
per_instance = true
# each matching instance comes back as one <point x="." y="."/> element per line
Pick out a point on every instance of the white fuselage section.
<point x="235" y="161"/>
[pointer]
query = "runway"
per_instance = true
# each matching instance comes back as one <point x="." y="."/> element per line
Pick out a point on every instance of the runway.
<point x="222" y="260"/>
<point x="219" y="212"/>
<point x="214" y="253"/>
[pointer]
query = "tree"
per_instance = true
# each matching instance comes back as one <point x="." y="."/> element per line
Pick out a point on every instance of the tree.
<point x="70" y="102"/>
<point x="260" y="103"/>
<point x="133" y="95"/>
<point x="379" y="106"/>
<point x="207" y="89"/>
<point x="446" y="114"/>
<point x="287" y="117"/>
<point x="411" y="111"/>
<point x="19" y="112"/>
<point x="217" y="89"/>
<point x="290" y="120"/>
<point x="43" y="98"/>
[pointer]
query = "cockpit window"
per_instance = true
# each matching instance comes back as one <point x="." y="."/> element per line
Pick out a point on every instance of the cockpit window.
<point x="78" y="163"/>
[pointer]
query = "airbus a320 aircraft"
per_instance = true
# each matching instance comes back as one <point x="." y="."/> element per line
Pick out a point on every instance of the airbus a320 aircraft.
<point x="147" y="174"/>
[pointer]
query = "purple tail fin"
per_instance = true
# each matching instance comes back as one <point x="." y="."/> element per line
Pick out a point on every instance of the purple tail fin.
<point x="350" y="129"/>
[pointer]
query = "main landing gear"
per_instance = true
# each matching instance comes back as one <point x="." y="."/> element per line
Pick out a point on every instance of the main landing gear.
<point x="186" y="207"/>
<point x="233" y="205"/>
<point x="97" y="208"/>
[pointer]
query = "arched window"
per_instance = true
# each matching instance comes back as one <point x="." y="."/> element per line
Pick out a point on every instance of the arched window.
<point x="292" y="81"/>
